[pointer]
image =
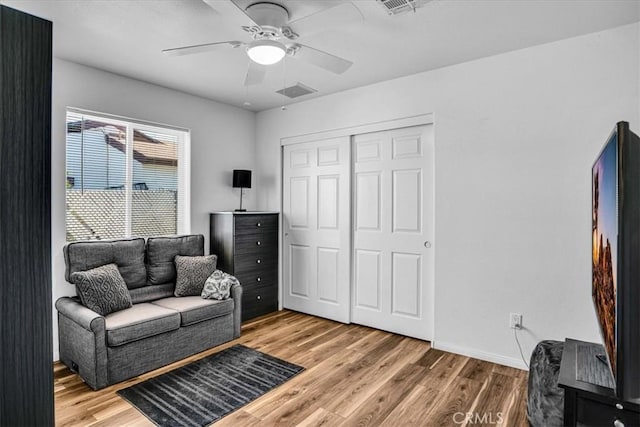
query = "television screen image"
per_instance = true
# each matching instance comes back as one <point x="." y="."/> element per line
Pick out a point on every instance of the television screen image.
<point x="605" y="244"/>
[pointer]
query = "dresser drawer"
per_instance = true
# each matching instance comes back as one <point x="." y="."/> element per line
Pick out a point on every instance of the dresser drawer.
<point x="258" y="277"/>
<point x="253" y="224"/>
<point x="258" y="302"/>
<point x="255" y="261"/>
<point x="590" y="412"/>
<point x="261" y="286"/>
<point x="254" y="242"/>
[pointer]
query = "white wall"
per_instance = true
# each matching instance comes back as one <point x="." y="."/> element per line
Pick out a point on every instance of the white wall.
<point x="222" y="139"/>
<point x="516" y="135"/>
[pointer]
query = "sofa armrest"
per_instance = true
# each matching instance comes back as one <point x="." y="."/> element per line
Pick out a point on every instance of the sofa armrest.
<point x="236" y="294"/>
<point x="82" y="341"/>
<point x="83" y="316"/>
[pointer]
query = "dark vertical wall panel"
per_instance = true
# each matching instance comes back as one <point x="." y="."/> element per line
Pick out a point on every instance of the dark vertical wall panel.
<point x="26" y="378"/>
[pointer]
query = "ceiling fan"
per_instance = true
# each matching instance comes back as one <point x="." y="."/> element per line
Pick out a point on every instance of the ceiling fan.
<point x="274" y="36"/>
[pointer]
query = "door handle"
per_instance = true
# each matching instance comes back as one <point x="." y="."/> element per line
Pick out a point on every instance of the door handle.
<point x="427" y="244"/>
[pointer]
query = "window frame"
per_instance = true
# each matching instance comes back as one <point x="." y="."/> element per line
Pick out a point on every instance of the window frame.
<point x="183" y="138"/>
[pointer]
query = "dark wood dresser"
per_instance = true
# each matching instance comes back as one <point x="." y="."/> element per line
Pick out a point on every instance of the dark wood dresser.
<point x="247" y="247"/>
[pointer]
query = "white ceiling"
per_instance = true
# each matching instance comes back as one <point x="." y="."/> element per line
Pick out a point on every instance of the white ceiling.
<point x="126" y="37"/>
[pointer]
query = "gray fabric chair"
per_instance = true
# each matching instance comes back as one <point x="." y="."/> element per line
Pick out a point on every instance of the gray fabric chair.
<point x="158" y="329"/>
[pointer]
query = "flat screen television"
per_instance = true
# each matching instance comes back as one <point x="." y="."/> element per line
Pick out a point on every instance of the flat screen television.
<point x="616" y="256"/>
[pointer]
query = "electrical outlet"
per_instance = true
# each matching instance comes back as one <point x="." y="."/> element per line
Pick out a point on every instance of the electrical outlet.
<point x="515" y="321"/>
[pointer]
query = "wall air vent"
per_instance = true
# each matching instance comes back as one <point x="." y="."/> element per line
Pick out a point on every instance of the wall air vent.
<point x="296" y="90"/>
<point x="396" y="7"/>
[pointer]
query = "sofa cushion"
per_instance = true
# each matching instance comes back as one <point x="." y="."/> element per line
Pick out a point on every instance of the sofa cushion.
<point x="192" y="272"/>
<point x="152" y="292"/>
<point x="138" y="322"/>
<point x="195" y="309"/>
<point x="102" y="289"/>
<point x="218" y="285"/>
<point x="161" y="252"/>
<point x="127" y="254"/>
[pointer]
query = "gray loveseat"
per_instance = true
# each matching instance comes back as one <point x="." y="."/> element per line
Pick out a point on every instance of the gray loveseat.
<point x="158" y="329"/>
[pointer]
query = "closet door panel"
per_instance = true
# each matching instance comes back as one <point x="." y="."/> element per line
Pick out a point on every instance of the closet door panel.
<point x="393" y="217"/>
<point x="406" y="284"/>
<point x="328" y="280"/>
<point x="299" y="271"/>
<point x="407" y="201"/>
<point x="368" y="200"/>
<point x="367" y="280"/>
<point x="328" y="202"/>
<point x="316" y="228"/>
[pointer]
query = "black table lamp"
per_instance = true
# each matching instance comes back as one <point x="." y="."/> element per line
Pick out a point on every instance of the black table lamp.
<point x="241" y="180"/>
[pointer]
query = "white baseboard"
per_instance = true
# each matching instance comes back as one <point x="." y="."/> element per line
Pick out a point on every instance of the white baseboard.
<point x="479" y="354"/>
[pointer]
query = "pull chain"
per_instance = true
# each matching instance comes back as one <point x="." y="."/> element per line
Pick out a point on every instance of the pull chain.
<point x="284" y="81"/>
<point x="246" y="90"/>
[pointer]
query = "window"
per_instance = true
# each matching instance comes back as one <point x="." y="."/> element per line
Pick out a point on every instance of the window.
<point x="125" y="178"/>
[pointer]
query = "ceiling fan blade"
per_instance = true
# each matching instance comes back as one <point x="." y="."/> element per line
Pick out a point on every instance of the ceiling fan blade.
<point x="343" y="15"/>
<point x="198" y="48"/>
<point x="231" y="12"/>
<point x="321" y="59"/>
<point x="255" y="74"/>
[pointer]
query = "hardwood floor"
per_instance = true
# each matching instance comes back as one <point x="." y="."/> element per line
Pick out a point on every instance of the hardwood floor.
<point x="354" y="376"/>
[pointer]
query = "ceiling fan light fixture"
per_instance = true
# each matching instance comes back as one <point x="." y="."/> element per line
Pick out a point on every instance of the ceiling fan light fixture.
<point x="266" y="52"/>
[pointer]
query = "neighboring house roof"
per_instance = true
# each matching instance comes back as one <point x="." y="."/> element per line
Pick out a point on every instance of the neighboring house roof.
<point x="146" y="150"/>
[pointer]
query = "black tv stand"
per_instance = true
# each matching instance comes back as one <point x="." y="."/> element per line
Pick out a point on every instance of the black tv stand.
<point x="589" y="395"/>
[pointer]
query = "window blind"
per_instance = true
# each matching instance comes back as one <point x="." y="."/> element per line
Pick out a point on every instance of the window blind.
<point x="124" y="179"/>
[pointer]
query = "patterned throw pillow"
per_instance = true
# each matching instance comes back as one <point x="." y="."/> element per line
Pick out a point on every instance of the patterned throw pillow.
<point x="218" y="285"/>
<point x="102" y="289"/>
<point x="192" y="272"/>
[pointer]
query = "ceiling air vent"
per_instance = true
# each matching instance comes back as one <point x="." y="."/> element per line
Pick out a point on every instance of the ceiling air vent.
<point x="395" y="7"/>
<point x="296" y="90"/>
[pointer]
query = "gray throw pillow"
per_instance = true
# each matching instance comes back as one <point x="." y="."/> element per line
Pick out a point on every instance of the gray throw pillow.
<point x="192" y="272"/>
<point x="218" y="285"/>
<point x="102" y="289"/>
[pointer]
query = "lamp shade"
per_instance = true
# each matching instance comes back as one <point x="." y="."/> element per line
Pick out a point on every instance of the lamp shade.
<point x="241" y="178"/>
<point x="266" y="52"/>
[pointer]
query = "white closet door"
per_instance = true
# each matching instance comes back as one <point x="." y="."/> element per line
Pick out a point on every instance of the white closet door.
<point x="393" y="226"/>
<point x="316" y="226"/>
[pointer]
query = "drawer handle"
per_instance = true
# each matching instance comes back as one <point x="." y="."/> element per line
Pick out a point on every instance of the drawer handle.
<point x="258" y="297"/>
<point x="258" y="243"/>
<point x="259" y="224"/>
<point x="258" y="261"/>
<point x="258" y="279"/>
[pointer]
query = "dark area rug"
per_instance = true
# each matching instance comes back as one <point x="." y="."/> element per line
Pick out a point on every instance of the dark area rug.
<point x="206" y="390"/>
